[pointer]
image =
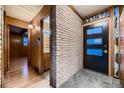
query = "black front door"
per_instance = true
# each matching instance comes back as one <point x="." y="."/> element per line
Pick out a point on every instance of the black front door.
<point x="96" y="47"/>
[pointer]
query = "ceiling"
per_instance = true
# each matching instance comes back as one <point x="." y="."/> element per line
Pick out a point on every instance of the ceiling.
<point x="85" y="10"/>
<point x="28" y="12"/>
<point x="23" y="12"/>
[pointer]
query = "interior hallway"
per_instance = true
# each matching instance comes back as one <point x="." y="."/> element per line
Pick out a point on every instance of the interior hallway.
<point x="90" y="79"/>
<point x="22" y="76"/>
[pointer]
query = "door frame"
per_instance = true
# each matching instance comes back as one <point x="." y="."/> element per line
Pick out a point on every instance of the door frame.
<point x="42" y="64"/>
<point x="8" y="21"/>
<point x="121" y="9"/>
<point x="110" y="43"/>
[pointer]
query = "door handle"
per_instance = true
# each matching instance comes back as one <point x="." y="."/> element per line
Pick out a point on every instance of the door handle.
<point x="105" y="51"/>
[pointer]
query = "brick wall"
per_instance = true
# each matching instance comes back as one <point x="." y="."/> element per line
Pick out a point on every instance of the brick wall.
<point x="53" y="46"/>
<point x="68" y="41"/>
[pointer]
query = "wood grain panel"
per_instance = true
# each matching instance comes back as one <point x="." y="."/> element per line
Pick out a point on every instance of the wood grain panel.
<point x="121" y="45"/>
<point x="15" y="43"/>
<point x="111" y="43"/>
<point x="16" y="22"/>
<point x="46" y="61"/>
<point x="16" y="46"/>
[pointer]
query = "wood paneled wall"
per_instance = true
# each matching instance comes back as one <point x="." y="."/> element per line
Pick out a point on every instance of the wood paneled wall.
<point x="36" y="40"/>
<point x="16" y="46"/>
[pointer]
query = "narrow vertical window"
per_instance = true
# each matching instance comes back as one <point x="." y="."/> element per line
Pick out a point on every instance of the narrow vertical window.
<point x="46" y="35"/>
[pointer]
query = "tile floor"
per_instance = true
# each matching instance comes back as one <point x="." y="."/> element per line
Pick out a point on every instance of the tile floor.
<point x="90" y="79"/>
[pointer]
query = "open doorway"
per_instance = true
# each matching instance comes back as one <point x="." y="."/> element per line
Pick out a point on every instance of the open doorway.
<point x="18" y="45"/>
<point x="18" y="54"/>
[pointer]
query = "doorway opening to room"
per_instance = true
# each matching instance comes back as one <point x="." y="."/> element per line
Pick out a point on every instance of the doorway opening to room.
<point x="18" y="46"/>
<point x="17" y="66"/>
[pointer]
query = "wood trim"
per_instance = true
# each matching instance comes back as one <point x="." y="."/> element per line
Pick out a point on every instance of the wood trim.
<point x="16" y="22"/>
<point x="8" y="46"/>
<point x="42" y="42"/>
<point x="111" y="42"/>
<point x="29" y="47"/>
<point x="75" y="11"/>
<point x="120" y="44"/>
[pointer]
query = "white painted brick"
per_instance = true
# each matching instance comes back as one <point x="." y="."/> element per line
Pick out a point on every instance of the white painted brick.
<point x="69" y="44"/>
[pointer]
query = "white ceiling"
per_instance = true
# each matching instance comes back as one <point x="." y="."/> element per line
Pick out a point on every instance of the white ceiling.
<point x="28" y="12"/>
<point x="23" y="12"/>
<point x="85" y="10"/>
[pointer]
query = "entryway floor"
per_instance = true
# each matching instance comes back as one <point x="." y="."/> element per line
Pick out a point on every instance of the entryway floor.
<point x="90" y="79"/>
<point x="22" y="76"/>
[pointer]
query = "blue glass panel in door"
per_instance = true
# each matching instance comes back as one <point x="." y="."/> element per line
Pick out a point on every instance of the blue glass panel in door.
<point x="25" y="41"/>
<point x="96" y="52"/>
<point x="94" y="41"/>
<point x="95" y="30"/>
